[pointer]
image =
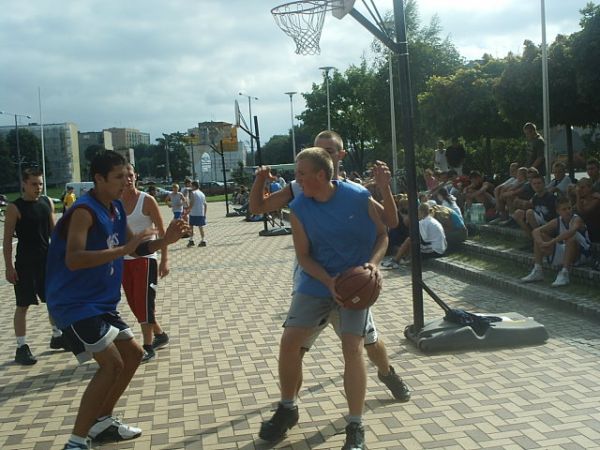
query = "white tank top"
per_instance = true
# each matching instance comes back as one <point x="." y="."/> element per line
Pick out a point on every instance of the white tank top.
<point x="138" y="221"/>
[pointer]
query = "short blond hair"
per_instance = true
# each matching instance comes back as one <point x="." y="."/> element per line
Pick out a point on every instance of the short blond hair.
<point x="328" y="134"/>
<point x="319" y="158"/>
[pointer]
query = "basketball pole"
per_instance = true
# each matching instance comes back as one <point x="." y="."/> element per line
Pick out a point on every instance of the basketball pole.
<point x="404" y="104"/>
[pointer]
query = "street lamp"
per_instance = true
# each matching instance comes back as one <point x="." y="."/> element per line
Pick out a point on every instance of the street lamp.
<point x="166" y="136"/>
<point x="291" y="94"/>
<point x="250" y="98"/>
<point x="327" y="69"/>
<point x="18" y="146"/>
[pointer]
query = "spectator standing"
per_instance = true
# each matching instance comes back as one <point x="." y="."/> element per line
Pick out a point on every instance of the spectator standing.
<point x="176" y="201"/>
<point x="537" y="156"/>
<point x="31" y="218"/>
<point x="198" y="208"/>
<point x="543" y="207"/>
<point x="440" y="162"/>
<point x="455" y="156"/>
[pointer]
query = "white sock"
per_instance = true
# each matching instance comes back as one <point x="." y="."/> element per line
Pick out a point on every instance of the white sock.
<point x="537" y="267"/>
<point x="77" y="439"/>
<point x="20" y="341"/>
<point x="565" y="270"/>
<point x="55" y="331"/>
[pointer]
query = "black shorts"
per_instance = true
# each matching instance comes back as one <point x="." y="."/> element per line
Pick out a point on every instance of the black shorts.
<point x="31" y="283"/>
<point x="94" y="334"/>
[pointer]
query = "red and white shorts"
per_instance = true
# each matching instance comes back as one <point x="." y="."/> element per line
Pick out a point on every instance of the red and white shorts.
<point x="140" y="277"/>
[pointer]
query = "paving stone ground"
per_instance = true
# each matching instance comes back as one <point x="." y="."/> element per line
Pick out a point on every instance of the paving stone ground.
<point x="223" y="306"/>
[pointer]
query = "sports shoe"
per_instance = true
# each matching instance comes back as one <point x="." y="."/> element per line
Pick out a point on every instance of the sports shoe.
<point x="562" y="279"/>
<point x="76" y="445"/>
<point x="160" y="341"/>
<point x="355" y="437"/>
<point x="24" y="357"/>
<point x="190" y="243"/>
<point x="284" y="419"/>
<point x="202" y="243"/>
<point x="112" y="429"/>
<point x="149" y="354"/>
<point x="59" y="342"/>
<point x="394" y="383"/>
<point x="534" y="275"/>
<point x="390" y="264"/>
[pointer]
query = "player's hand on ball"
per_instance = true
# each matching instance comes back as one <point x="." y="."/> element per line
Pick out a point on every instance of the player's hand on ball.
<point x="376" y="273"/>
<point x="334" y="293"/>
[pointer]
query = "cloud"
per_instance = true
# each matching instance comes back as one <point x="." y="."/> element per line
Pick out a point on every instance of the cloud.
<point x="164" y="66"/>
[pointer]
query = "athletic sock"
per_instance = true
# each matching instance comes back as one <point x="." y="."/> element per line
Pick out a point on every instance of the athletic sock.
<point x="20" y="341"/>
<point x="354" y="419"/>
<point x="537" y="266"/>
<point x="77" y="439"/>
<point x="55" y="331"/>
<point x="288" y="404"/>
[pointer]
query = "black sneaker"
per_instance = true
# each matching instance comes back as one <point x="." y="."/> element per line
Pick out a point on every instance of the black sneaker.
<point x="160" y="341"/>
<point x="24" y="357"/>
<point x="284" y="419"/>
<point x="355" y="437"/>
<point x="202" y="244"/>
<point x="394" y="383"/>
<point x="149" y="354"/>
<point x="59" y="342"/>
<point x="190" y="243"/>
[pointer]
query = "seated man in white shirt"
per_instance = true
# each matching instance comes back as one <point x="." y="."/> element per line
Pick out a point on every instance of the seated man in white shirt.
<point x="561" y="182"/>
<point x="433" y="239"/>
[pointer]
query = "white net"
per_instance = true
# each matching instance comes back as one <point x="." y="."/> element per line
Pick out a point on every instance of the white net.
<point x="303" y="22"/>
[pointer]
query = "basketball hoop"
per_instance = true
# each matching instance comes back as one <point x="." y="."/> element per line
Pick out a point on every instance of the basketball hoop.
<point x="303" y="21"/>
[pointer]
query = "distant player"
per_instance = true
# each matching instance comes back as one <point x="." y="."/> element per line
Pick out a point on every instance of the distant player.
<point x="198" y="209"/>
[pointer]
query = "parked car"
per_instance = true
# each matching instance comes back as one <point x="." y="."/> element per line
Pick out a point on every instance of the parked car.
<point x="216" y="187"/>
<point x="160" y="194"/>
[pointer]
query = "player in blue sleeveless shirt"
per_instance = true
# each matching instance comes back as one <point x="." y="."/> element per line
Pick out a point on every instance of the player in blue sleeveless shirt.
<point x="336" y="226"/>
<point x="83" y="279"/>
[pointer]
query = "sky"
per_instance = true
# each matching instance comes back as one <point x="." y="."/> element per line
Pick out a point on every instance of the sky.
<point x="163" y="66"/>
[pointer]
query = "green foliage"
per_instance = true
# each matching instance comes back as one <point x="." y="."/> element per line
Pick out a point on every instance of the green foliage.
<point x="240" y="177"/>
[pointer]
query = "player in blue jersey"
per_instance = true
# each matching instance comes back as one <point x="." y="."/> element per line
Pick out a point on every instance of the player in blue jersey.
<point x="84" y="271"/>
<point x="336" y="226"/>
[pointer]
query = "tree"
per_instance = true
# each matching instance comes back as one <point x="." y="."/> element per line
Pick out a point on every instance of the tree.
<point x="7" y="171"/>
<point x="179" y="161"/>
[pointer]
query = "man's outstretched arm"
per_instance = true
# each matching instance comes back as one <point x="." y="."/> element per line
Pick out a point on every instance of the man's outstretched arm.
<point x="258" y="203"/>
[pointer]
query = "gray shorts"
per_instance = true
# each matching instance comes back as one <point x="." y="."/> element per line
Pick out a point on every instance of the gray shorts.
<point x="313" y="312"/>
<point x="371" y="335"/>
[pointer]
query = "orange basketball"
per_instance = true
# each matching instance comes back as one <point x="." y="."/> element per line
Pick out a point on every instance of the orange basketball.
<point x="358" y="287"/>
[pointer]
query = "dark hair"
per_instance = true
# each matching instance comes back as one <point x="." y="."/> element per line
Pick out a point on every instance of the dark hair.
<point x="32" y="172"/>
<point x="563" y="200"/>
<point x="452" y="173"/>
<point x="195" y="184"/>
<point x="443" y="192"/>
<point x="592" y="161"/>
<point x="537" y="175"/>
<point x="104" y="162"/>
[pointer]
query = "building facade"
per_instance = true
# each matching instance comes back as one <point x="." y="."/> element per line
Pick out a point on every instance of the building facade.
<point x="61" y="147"/>
<point x="127" y="137"/>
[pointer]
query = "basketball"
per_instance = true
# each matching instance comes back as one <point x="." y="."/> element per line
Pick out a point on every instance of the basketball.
<point x="358" y="287"/>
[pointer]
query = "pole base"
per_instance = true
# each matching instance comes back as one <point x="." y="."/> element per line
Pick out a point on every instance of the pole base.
<point x="279" y="231"/>
<point x="514" y="330"/>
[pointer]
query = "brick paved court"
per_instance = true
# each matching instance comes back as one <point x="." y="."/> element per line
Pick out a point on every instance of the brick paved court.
<point x="223" y="306"/>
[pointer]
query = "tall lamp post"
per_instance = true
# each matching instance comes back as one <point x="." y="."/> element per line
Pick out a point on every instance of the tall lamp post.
<point x="545" y="95"/>
<point x="167" y="162"/>
<point x="291" y="94"/>
<point x="326" y="69"/>
<point x="250" y="98"/>
<point x="17" y="138"/>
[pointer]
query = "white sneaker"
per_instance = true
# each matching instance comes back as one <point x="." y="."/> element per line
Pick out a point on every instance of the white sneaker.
<point x="112" y="429"/>
<point x="390" y="264"/>
<point x="534" y="275"/>
<point x="562" y="279"/>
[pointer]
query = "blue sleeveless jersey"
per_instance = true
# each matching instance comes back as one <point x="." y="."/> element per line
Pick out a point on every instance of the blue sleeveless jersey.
<point x="340" y="231"/>
<point x="73" y="295"/>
